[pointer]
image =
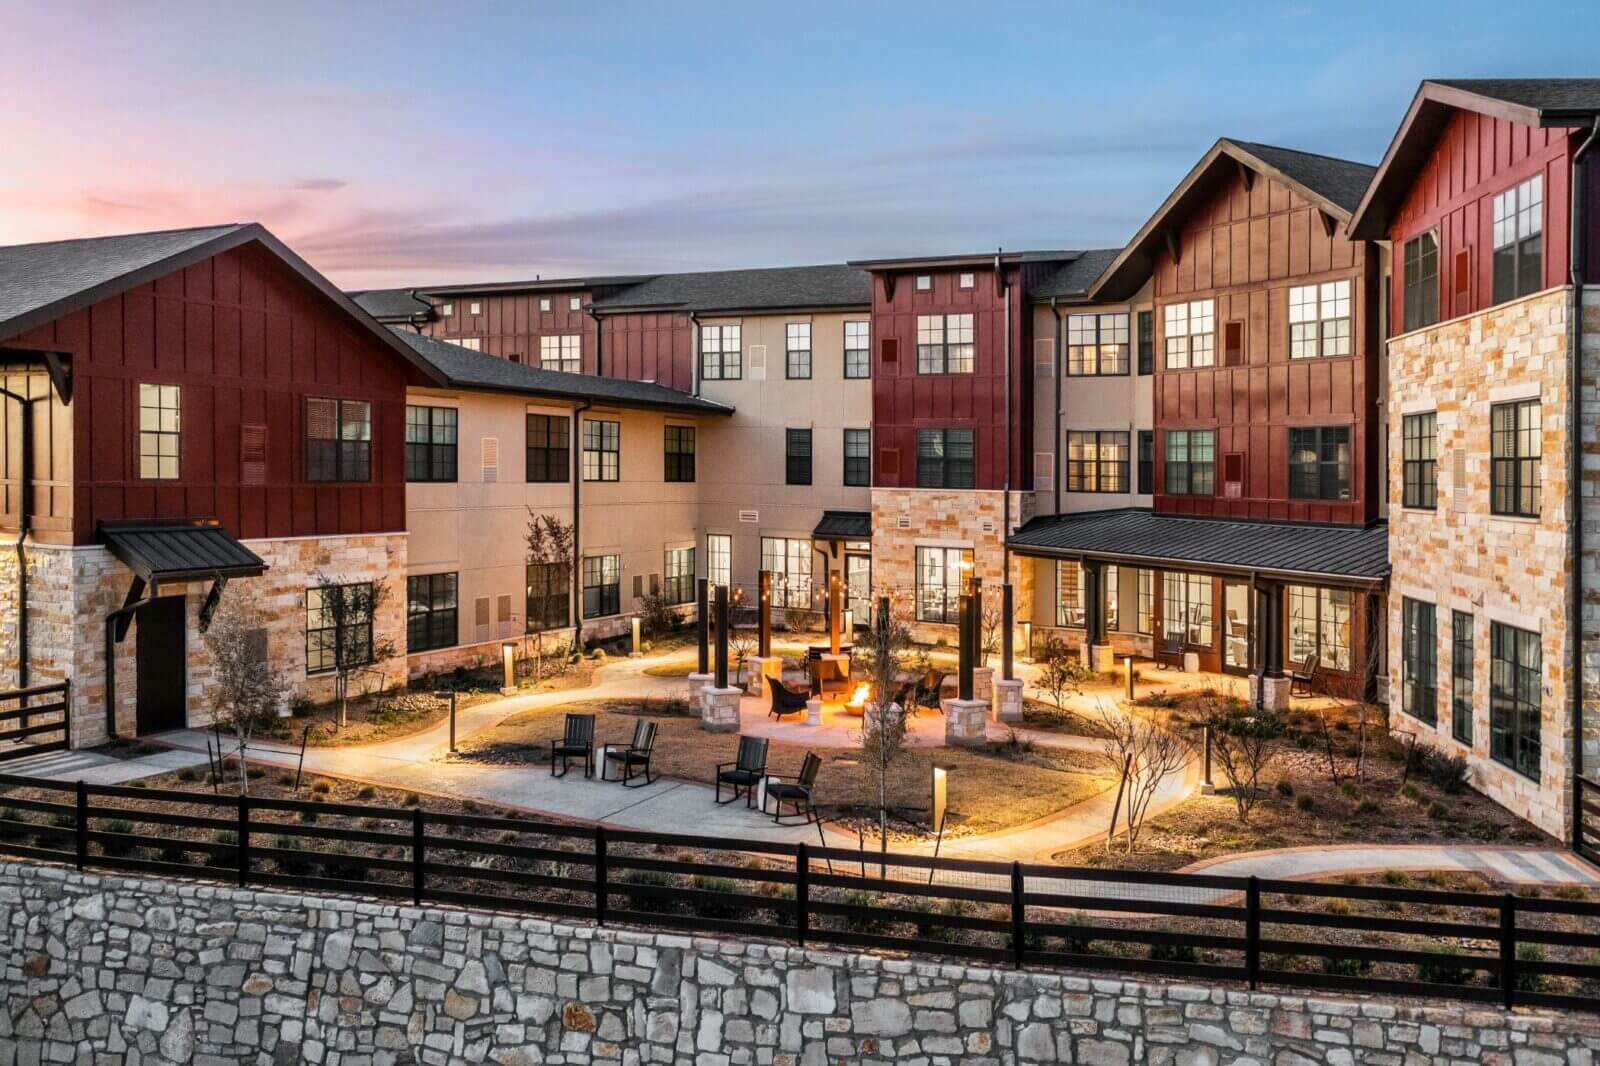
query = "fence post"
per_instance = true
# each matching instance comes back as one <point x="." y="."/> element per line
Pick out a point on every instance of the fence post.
<point x="82" y="820"/>
<point x="416" y="856"/>
<point x="599" y="875"/>
<point x="802" y="893"/>
<point x="1508" y="949"/>
<point x="244" y="838"/>
<point x="1019" y="919"/>
<point x="1252" y="933"/>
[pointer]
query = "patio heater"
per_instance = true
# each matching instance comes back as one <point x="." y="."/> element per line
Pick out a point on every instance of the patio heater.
<point x="964" y="654"/>
<point x="722" y="636"/>
<point x="763" y="617"/>
<point x="834" y="608"/>
<point x="702" y="627"/>
<point x="977" y="621"/>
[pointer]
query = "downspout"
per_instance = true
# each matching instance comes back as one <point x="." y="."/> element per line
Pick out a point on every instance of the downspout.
<point x="575" y="579"/>
<point x="1056" y="444"/>
<point x="24" y="515"/>
<point x="1005" y="529"/>
<point x="599" y="346"/>
<point x="1576" y="253"/>
<point x="694" y="353"/>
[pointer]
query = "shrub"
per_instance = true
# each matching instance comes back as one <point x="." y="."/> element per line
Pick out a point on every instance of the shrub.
<point x="1174" y="953"/>
<point x="1409" y="791"/>
<point x="321" y="786"/>
<point x="1445" y="969"/>
<point x="172" y="853"/>
<point x="412" y="799"/>
<point x="1527" y="981"/>
<point x="1348" y="787"/>
<point x="649" y="879"/>
<point x="308" y="816"/>
<point x="1337" y="905"/>
<point x="8" y="814"/>
<point x="122" y="827"/>
<point x="1343" y="966"/>
<point x="862" y="923"/>
<point x="1437" y="810"/>
<point x="297" y="867"/>
<point x="598" y="655"/>
<point x="716" y="908"/>
<point x="341" y="865"/>
<point x="1396" y="877"/>
<point x="656" y="618"/>
<point x="1447" y="772"/>
<point x="1284" y="787"/>
<point x="1304" y="802"/>
<point x="1368" y="805"/>
<point x="187" y="774"/>
<point x="229" y="839"/>
<point x="366" y="792"/>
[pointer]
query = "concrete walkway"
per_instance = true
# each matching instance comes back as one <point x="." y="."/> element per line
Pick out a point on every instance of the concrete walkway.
<point x="1511" y="864"/>
<point x="95" y="768"/>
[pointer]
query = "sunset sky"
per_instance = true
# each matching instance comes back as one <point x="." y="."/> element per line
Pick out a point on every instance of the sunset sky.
<point x="394" y="144"/>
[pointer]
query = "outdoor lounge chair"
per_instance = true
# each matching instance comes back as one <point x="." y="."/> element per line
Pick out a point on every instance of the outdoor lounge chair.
<point x="1169" y="653"/>
<point x="829" y="675"/>
<point x="927" y="691"/>
<point x="635" y="758"/>
<point x="785" y="700"/>
<point x="577" y="741"/>
<point x="1301" y="681"/>
<point x="795" y="791"/>
<point x="745" y="772"/>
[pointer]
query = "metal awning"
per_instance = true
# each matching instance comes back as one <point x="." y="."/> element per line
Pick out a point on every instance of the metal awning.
<point x="844" y="525"/>
<point x="180" y="550"/>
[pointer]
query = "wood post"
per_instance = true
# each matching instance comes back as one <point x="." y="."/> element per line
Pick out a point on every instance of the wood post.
<point x="1007" y="623"/>
<point x="702" y="626"/>
<point x="763" y="616"/>
<point x="722" y="635"/>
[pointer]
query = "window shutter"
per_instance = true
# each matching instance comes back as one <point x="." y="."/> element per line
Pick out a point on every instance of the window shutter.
<point x="489" y="450"/>
<point x="503" y="609"/>
<point x="480" y="618"/>
<point x="1233" y="475"/>
<point x="758" y="362"/>
<point x="889" y="462"/>
<point x="1044" y="471"/>
<point x="252" y="454"/>
<point x="889" y="349"/>
<point x="1044" y="357"/>
<point x="1233" y="344"/>
<point x="1463" y="281"/>
<point x="638" y="585"/>
<point x="1458" y="479"/>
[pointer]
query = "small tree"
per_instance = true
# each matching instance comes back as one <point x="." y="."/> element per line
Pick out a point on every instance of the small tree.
<point x="1243" y="741"/>
<point x="246" y="691"/>
<point x="991" y="623"/>
<point x="349" y="610"/>
<point x="1143" y="755"/>
<point x="1061" y="675"/>
<point x="883" y="658"/>
<point x="550" y="545"/>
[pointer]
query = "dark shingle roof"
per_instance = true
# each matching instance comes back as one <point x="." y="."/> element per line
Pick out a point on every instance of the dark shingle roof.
<point x="1348" y="554"/>
<point x="772" y="288"/>
<point x="392" y="305"/>
<point x="1570" y="95"/>
<point x="844" y="525"/>
<point x="1341" y="180"/>
<point x="1071" y="281"/>
<point x="466" y="369"/>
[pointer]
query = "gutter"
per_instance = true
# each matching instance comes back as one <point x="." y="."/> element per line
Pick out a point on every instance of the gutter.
<point x="1055" y="310"/>
<point x="575" y="579"/>
<point x="1576" y="253"/>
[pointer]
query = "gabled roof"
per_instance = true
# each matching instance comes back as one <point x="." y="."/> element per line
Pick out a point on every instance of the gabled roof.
<point x="1071" y="281"/>
<point x="462" y="368"/>
<point x="1333" y="185"/>
<point x="390" y="306"/>
<point x="1559" y="102"/>
<point x="770" y="289"/>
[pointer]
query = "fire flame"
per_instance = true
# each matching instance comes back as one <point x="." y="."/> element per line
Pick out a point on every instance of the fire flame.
<point x="860" y="694"/>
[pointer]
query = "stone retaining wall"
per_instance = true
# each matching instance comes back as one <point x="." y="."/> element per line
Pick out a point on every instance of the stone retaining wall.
<point x="110" y="969"/>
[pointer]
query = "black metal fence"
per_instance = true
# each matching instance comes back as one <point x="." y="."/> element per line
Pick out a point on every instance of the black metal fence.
<point x="35" y="719"/>
<point x="1587" y="816"/>
<point x="1502" y="948"/>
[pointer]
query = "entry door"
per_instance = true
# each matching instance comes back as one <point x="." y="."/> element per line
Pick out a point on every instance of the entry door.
<point x="160" y="658"/>
<point x="858" y="585"/>
<point x="1236" y="619"/>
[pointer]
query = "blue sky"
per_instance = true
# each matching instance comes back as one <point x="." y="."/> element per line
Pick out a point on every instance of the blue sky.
<point x="397" y="144"/>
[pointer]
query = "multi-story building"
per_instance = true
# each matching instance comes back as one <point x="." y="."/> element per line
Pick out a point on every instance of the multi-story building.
<point x="1493" y="217"/>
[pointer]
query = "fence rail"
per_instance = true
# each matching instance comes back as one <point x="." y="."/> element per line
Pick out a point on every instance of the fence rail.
<point x="1588" y="819"/>
<point x="1497" y="948"/>
<point x="38" y="711"/>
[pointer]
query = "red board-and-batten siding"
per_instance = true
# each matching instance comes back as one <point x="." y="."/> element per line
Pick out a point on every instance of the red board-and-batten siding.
<point x="509" y="325"/>
<point x="247" y="340"/>
<point x="658" y="346"/>
<point x="1245" y="248"/>
<point x="904" y="401"/>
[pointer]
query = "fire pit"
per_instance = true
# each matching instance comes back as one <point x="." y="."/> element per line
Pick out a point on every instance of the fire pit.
<point x="857" y="703"/>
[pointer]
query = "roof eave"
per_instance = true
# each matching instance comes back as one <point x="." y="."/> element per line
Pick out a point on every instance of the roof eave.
<point x="704" y="407"/>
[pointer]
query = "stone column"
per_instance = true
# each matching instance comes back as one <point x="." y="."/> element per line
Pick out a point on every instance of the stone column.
<point x="965" y="722"/>
<point x="719" y="709"/>
<point x="1008" y="700"/>
<point x="757" y="669"/>
<point x="983" y="682"/>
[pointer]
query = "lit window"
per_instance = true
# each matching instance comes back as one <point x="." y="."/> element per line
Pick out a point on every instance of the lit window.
<point x="544" y="303"/>
<point x="1319" y="320"/>
<point x="966" y="281"/>
<point x="471" y="344"/>
<point x="564" y="352"/>
<point x="788" y="560"/>
<point x="924" y="282"/>
<point x="719" y="559"/>
<point x="602" y="450"/>
<point x="944" y="344"/>
<point x="1069" y="593"/>
<point x="1097" y="461"/>
<point x="575" y="303"/>
<point x="447" y="310"/>
<point x="678" y="576"/>
<point x="941" y="580"/>
<point x="1514" y="451"/>
<point x="159" y="431"/>
<point x="857" y="357"/>
<point x="1518" y="240"/>
<point x="1097" y="344"/>
<point x="1190" y="462"/>
<point x="1190" y="334"/>
<point x="602" y="585"/>
<point x="475" y="308"/>
<point x="1147" y="600"/>
<point x="1319" y="624"/>
<point x="1186" y="608"/>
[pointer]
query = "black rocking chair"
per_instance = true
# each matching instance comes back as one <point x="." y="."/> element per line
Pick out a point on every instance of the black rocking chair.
<point x="577" y="742"/>
<point x="745" y="772"/>
<point x="635" y="755"/>
<point x="928" y="689"/>
<point x="785" y="700"/>
<point x="1302" y="682"/>
<point x="795" y="791"/>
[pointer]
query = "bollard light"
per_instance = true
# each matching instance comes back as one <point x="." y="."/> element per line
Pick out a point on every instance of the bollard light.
<point x="849" y="621"/>
<point x="1127" y="665"/>
<point x="636" y="635"/>
<point x="508" y="658"/>
<point x="1027" y="640"/>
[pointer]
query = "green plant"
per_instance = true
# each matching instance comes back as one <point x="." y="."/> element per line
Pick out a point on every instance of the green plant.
<point x="721" y="886"/>
<point x="1174" y="953"/>
<point x="230" y="841"/>
<point x="186" y="774"/>
<point x="121" y="827"/>
<point x="295" y="866"/>
<point x="1284" y="787"/>
<point x="342" y="865"/>
<point x="1344" y="966"/>
<point x="1337" y="905"/>
<point x="1444" y="969"/>
<point x="1348" y="787"/>
<point x="1409" y="791"/>
<point x="1447" y="772"/>
<point x="172" y="853"/>
<point x="1368" y="805"/>
<point x="862" y="923"/>
<point x="649" y="903"/>
<point x="321" y="786"/>
<point x="1304" y="802"/>
<point x="1528" y="981"/>
<point x="11" y="832"/>
<point x="1396" y="877"/>
<point x="1437" y="810"/>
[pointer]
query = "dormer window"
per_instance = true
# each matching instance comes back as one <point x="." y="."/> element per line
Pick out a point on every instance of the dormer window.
<point x="475" y="308"/>
<point x="544" y="303"/>
<point x="924" y="282"/>
<point x="965" y="281"/>
<point x="447" y="310"/>
<point x="575" y="303"/>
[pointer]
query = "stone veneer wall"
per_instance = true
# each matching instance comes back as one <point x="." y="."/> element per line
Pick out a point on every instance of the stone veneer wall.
<point x="1589" y="487"/>
<point x="1460" y="557"/>
<point x="111" y="969"/>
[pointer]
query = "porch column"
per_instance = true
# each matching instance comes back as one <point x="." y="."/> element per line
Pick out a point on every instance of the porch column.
<point x="1096" y="648"/>
<point x="1269" y="689"/>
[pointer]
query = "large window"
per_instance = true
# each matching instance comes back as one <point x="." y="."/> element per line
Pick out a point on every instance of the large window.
<point x="721" y="354"/>
<point x="338" y="440"/>
<point x="1461" y="676"/>
<point x="602" y="450"/>
<point x="678" y="583"/>
<point x="1419" y="650"/>
<point x="1097" y="461"/>
<point x="944" y="344"/>
<point x="941" y="579"/>
<point x="788" y="559"/>
<point x="1319" y="463"/>
<point x="1147" y="342"/>
<point x="945" y="459"/>
<point x="1190" y="462"/>
<point x="563" y="353"/>
<point x="1108" y="595"/>
<point x="338" y="617"/>
<point x="159" y="432"/>
<point x="857" y="353"/>
<point x="797" y="456"/>
<point x="1319" y="320"/>
<point x="1097" y="344"/>
<point x="430" y="443"/>
<point x="858" y="457"/>
<point x="430" y="611"/>
<point x="1514" y="698"/>
<point x="1069" y="593"/>
<point x="797" y="350"/>
<point x="1514" y="450"/>
<point x="1145" y="622"/>
<point x="719" y="559"/>
<point x="679" y="445"/>
<point x="1518" y="240"/>
<point x="1147" y="462"/>
<point x="1186" y="608"/>
<point x="549" y="448"/>
<point x="1420" y="460"/>
<point x="1190" y="333"/>
<point x="602" y="585"/>
<point x="549" y="596"/>
<point x="1319" y="624"/>
<point x="1420" y="263"/>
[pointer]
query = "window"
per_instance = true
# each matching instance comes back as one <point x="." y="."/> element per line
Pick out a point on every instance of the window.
<point x="1147" y="601"/>
<point x="1419" y="695"/>
<point x="944" y="344"/>
<point x="159" y="431"/>
<point x="797" y="350"/>
<point x="1514" y="698"/>
<point x="1069" y="593"/>
<point x="1420" y="259"/>
<point x="602" y="585"/>
<point x="575" y="303"/>
<point x="544" y="303"/>
<point x="447" y="310"/>
<point x="430" y="443"/>
<point x="338" y="626"/>
<point x="1191" y="462"/>
<point x="1461" y="676"/>
<point x="1190" y="334"/>
<point x="1420" y="461"/>
<point x="1514" y="451"/>
<point x="858" y="457"/>
<point x="338" y="440"/>
<point x="1319" y="320"/>
<point x="1186" y="608"/>
<point x="1518" y="240"/>
<point x="679" y="453"/>
<point x="1147" y="342"/>
<point x="719" y="559"/>
<point x="1097" y="344"/>
<point x="788" y="560"/>
<point x="564" y="352"/>
<point x="945" y="459"/>
<point x="1108" y="597"/>
<point x="721" y="357"/>
<point x="941" y="579"/>
<point x="678" y="585"/>
<point x="1319" y="463"/>
<point x="965" y="280"/>
<point x="1319" y="624"/>
<point x="602" y="450"/>
<point x="797" y="456"/>
<point x="1147" y="462"/>
<point x="924" y="282"/>
<point x="549" y="448"/>
<point x="857" y="352"/>
<point x="474" y="308"/>
<point x="549" y="594"/>
<point x="1097" y="461"/>
<point x="471" y="344"/>
<point x="430" y="611"/>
